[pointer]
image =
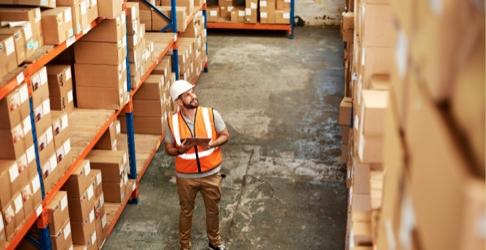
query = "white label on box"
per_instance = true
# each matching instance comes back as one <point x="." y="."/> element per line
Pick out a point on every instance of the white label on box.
<point x="102" y="199"/>
<point x="38" y="210"/>
<point x="67" y="230"/>
<point x="213" y="13"/>
<point x="363" y="56"/>
<point x="401" y="54"/>
<point x="1" y="224"/>
<point x="49" y="135"/>
<point x="18" y="203"/>
<point x="35" y="184"/>
<point x="30" y="154"/>
<point x="53" y="162"/>
<point x="10" y="46"/>
<point x="241" y="13"/>
<point x="67" y="146"/>
<point x="27" y="30"/>
<point x="84" y="8"/>
<point x="86" y="168"/>
<point x="17" y="133"/>
<point x="286" y="15"/>
<point x="407" y="223"/>
<point x="91" y="216"/>
<point x="70" y="41"/>
<point x="20" y="78"/>
<point x="230" y="8"/>
<point x="13" y="172"/>
<point x="117" y="128"/>
<point x="23" y="92"/>
<point x="263" y="14"/>
<point x="46" y="107"/>
<point x="70" y="96"/>
<point x="390" y="236"/>
<point x="64" y="203"/>
<point x="22" y="162"/>
<point x="27" y="125"/>
<point x="64" y="121"/>
<point x="103" y="221"/>
<point x="93" y="238"/>
<point x="90" y="192"/>
<point x="263" y="4"/>
<point x="134" y="13"/>
<point x="68" y="73"/>
<point x="436" y="6"/>
<point x="98" y="178"/>
<point x="43" y="76"/>
<point x="253" y="5"/>
<point x="37" y="15"/>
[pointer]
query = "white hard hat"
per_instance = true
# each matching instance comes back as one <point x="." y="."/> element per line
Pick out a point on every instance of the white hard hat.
<point x="178" y="88"/>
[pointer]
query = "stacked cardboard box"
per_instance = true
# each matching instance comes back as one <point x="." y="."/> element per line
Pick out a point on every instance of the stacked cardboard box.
<point x="423" y="139"/>
<point x="79" y="14"/>
<point x="282" y="12"/>
<point x="110" y="138"/>
<point x="154" y="22"/>
<point x="60" y="82"/>
<point x="251" y="11"/>
<point x="39" y="3"/>
<point x="59" y="222"/>
<point x="80" y="188"/>
<point x="21" y="36"/>
<point x="100" y="66"/>
<point x="114" y="170"/>
<point x="267" y="11"/>
<point x="57" y="25"/>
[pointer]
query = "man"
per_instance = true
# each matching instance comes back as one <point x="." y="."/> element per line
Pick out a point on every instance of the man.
<point x="197" y="162"/>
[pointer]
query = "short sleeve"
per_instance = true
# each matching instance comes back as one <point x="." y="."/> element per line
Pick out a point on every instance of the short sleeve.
<point x="218" y="121"/>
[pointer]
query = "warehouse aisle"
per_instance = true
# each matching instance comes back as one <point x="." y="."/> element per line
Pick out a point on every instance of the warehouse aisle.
<point x="284" y="187"/>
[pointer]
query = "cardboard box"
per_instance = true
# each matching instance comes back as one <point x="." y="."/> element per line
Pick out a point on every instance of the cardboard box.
<point x="267" y="16"/>
<point x="111" y="163"/>
<point x="373" y="106"/>
<point x="345" y="112"/>
<point x="251" y="15"/>
<point x="159" y="22"/>
<point x="376" y="25"/>
<point x="60" y="87"/>
<point x="361" y="178"/>
<point x="57" y="25"/>
<point x="93" y="75"/>
<point x="8" y="57"/>
<point x="370" y="148"/>
<point x="63" y="239"/>
<point x="114" y="192"/>
<point x="109" y="30"/>
<point x="362" y="233"/>
<point x="98" y="188"/>
<point x="151" y="108"/>
<point x="10" y="113"/>
<point x="109" y="139"/>
<point x="12" y="143"/>
<point x="19" y="42"/>
<point x="100" y="53"/>
<point x="145" y="18"/>
<point x="282" y="16"/>
<point x="447" y="188"/>
<point x="151" y="88"/>
<point x="375" y="60"/>
<point x="102" y="97"/>
<point x="80" y="208"/>
<point x="283" y="5"/>
<point x="79" y="11"/>
<point x="145" y="125"/>
<point x="380" y="82"/>
<point x="92" y="10"/>
<point x="110" y="8"/>
<point x="58" y="212"/>
<point x="238" y="15"/>
<point x="8" y="172"/>
<point x="84" y="233"/>
<point x="19" y="16"/>
<point x="79" y="181"/>
<point x="188" y="4"/>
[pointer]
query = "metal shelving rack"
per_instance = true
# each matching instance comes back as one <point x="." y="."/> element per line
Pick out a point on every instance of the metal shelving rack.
<point x="259" y="26"/>
<point x="40" y="217"/>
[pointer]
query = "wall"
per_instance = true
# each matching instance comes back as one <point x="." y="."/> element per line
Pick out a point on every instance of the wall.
<point x="320" y="12"/>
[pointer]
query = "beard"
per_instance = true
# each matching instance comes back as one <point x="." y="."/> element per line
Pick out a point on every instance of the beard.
<point x="191" y="105"/>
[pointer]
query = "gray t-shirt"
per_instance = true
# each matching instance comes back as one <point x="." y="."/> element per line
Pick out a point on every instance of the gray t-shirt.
<point x="218" y="124"/>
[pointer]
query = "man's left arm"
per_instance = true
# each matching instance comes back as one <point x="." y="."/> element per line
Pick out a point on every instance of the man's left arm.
<point x="223" y="134"/>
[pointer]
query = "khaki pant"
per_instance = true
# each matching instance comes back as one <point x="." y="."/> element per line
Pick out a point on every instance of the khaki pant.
<point x="187" y="189"/>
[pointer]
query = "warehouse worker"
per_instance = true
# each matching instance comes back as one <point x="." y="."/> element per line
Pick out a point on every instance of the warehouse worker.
<point x="197" y="163"/>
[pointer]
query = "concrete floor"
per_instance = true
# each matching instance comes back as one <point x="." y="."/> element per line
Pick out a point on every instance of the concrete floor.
<point x="285" y="185"/>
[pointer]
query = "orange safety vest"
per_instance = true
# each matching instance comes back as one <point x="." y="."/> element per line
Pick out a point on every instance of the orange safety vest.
<point x="198" y="159"/>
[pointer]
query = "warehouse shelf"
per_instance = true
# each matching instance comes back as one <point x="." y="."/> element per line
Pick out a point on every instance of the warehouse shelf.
<point x="167" y="49"/>
<point x="23" y="230"/>
<point x="114" y="210"/>
<point x="146" y="146"/>
<point x="49" y="53"/>
<point x="201" y="7"/>
<point x="249" y="26"/>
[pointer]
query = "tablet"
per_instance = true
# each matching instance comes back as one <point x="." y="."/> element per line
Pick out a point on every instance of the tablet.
<point x="198" y="140"/>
